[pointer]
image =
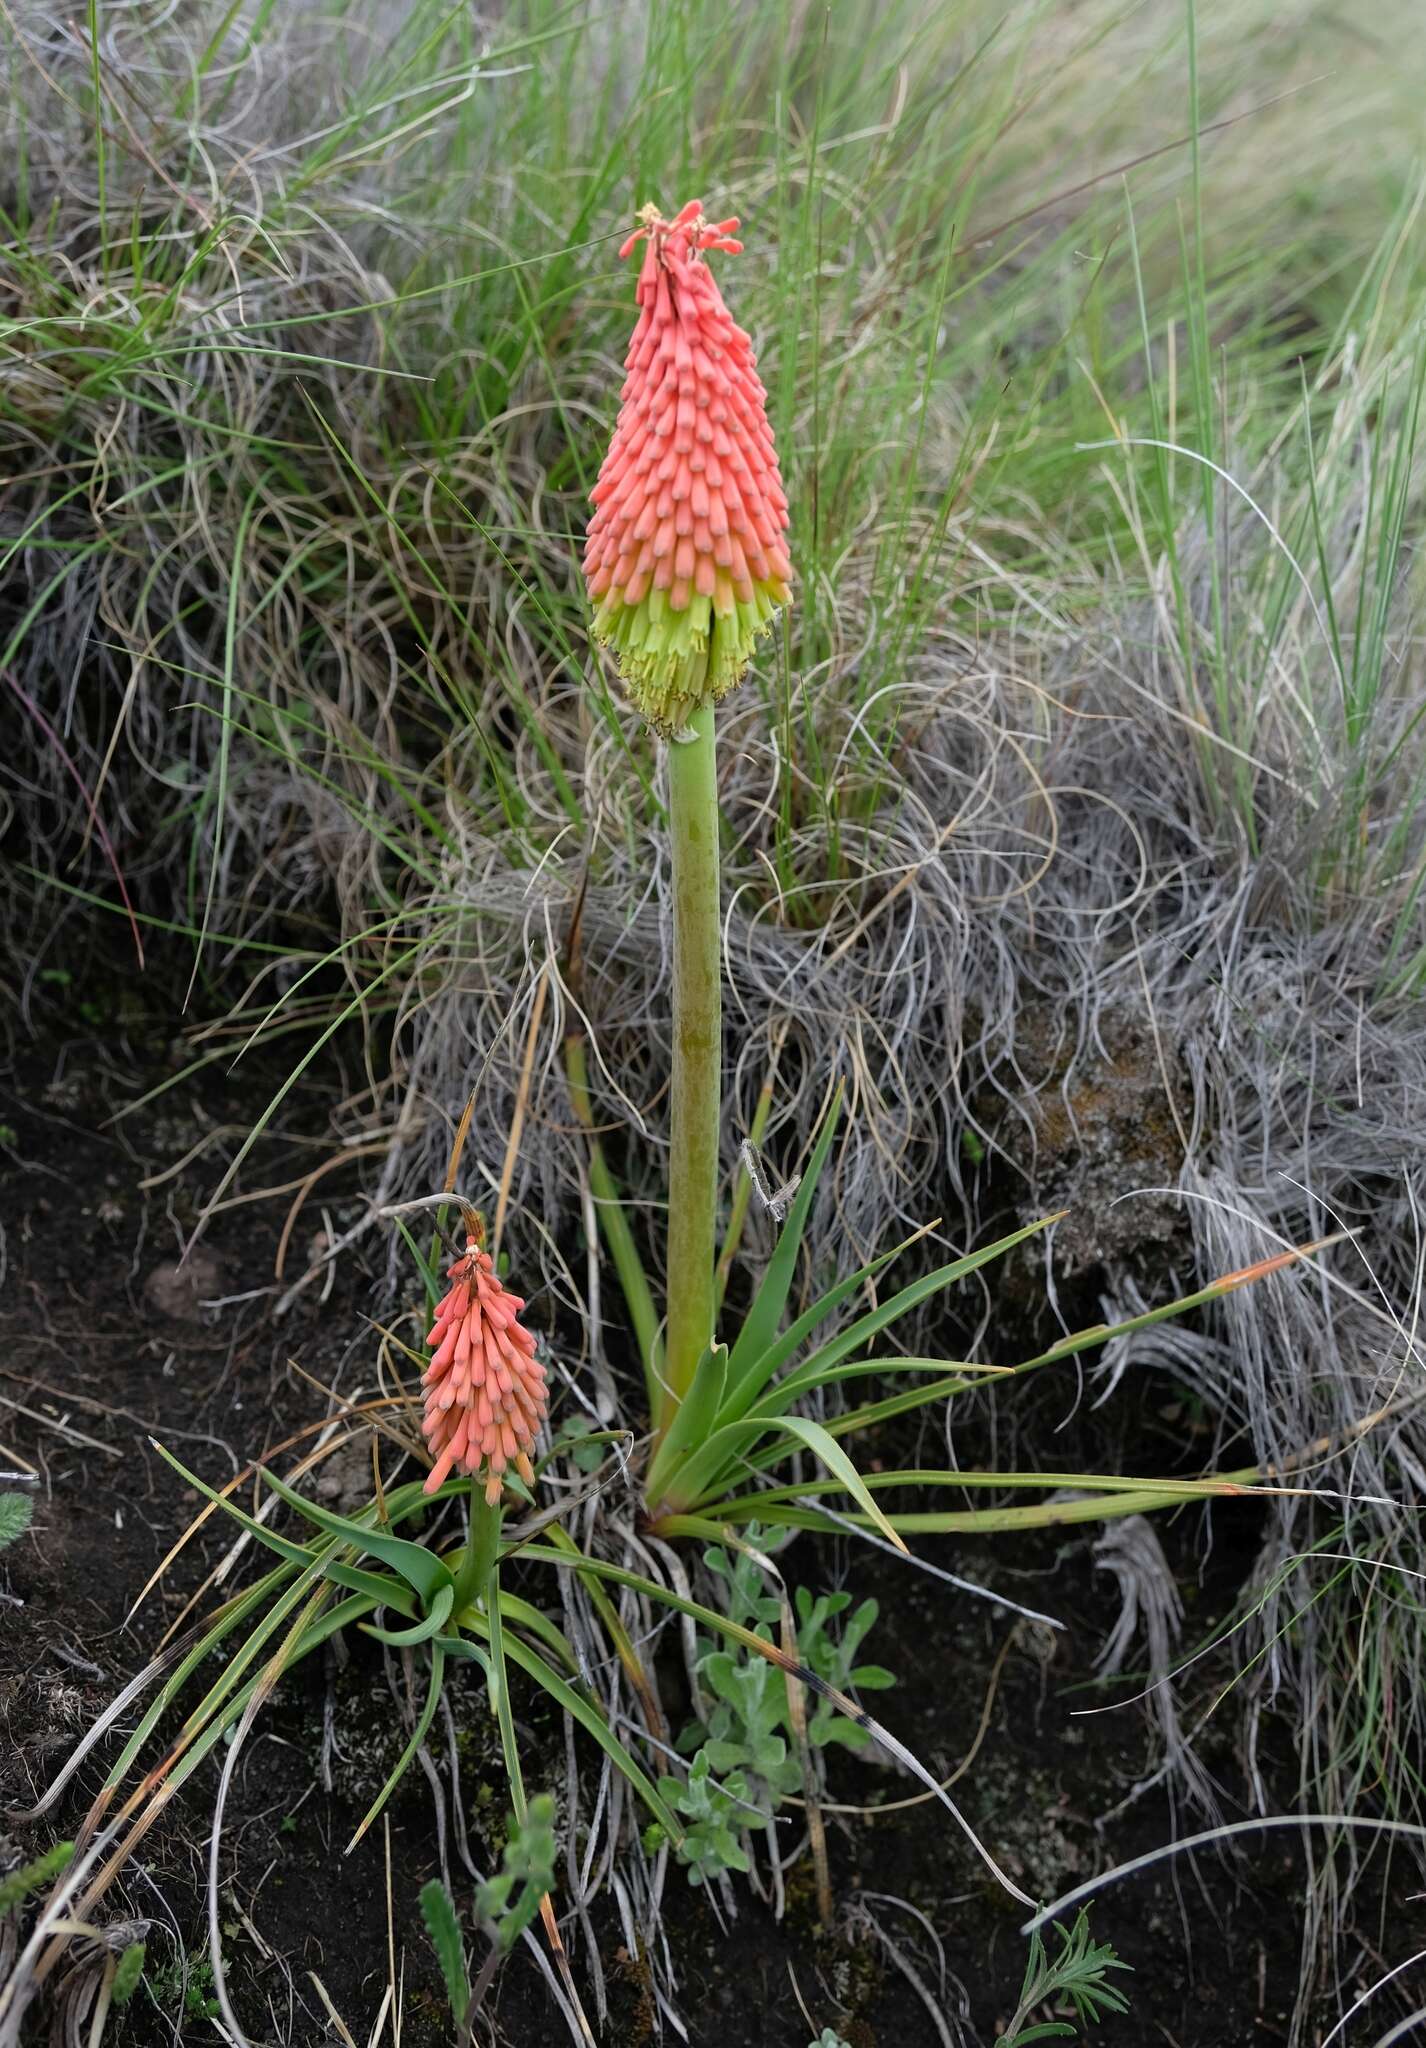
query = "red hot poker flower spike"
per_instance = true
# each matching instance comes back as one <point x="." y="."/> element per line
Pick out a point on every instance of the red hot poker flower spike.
<point x="485" y="1389"/>
<point x="685" y="558"/>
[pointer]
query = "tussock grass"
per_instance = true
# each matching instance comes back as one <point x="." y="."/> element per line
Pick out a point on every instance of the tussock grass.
<point x="1095" y="345"/>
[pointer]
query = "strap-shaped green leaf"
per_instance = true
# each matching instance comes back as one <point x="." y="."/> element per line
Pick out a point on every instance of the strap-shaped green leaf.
<point x="764" y="1318"/>
<point x="1098" y="1507"/>
<point x="229" y="1618"/>
<point x="381" y="1590"/>
<point x="696" y="1418"/>
<point x="708" y="1465"/>
<point x="305" y="1585"/>
<point x="421" y="1631"/>
<point x="761" y="1369"/>
<point x="582" y="1710"/>
<point x="870" y="1412"/>
<point x="918" y="1478"/>
<point x="420" y="1568"/>
<point x="865" y="1327"/>
<point x="315" y="1634"/>
<point x="295" y="1553"/>
<point x="529" y="1617"/>
<point x="935" y="1372"/>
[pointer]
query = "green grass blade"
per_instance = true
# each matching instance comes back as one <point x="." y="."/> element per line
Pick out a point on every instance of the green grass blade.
<point x="867" y="1326"/>
<point x="582" y="1711"/>
<point x="697" y="1416"/>
<point x="418" y="1736"/>
<point x="764" y="1318"/>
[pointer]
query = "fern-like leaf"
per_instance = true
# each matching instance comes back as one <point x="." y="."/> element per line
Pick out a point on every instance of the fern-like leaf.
<point x="512" y="1898"/>
<point x="16" y="1513"/>
<point x="31" y="1877"/>
<point x="127" y="1975"/>
<point x="439" y="1913"/>
<point x="1078" y="1973"/>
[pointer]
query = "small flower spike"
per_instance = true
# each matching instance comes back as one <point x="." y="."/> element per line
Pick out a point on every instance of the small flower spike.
<point x="685" y="558"/>
<point x="485" y="1389"/>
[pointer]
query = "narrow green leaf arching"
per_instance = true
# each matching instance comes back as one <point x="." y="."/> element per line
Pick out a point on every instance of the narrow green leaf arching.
<point x="422" y="1570"/>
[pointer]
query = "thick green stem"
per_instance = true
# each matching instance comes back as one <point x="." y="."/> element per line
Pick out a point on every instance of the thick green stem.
<point x="697" y="1057"/>
<point x="473" y="1574"/>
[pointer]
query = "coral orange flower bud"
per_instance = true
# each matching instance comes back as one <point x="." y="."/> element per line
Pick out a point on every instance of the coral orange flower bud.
<point x="485" y="1389"/>
<point x="685" y="558"/>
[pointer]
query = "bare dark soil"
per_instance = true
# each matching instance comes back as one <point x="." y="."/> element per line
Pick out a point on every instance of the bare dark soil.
<point x="103" y="1346"/>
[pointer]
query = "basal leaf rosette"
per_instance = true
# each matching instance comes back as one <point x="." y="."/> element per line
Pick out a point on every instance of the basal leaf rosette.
<point x="685" y="558"/>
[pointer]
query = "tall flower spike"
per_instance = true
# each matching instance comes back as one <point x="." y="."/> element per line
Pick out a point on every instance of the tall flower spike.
<point x="685" y="557"/>
<point x="485" y="1389"/>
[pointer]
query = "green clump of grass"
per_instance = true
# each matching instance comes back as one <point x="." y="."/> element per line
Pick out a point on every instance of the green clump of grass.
<point x="955" y="334"/>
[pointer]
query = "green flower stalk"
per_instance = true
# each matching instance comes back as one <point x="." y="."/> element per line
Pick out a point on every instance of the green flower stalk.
<point x="686" y="565"/>
<point x="696" y="1087"/>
